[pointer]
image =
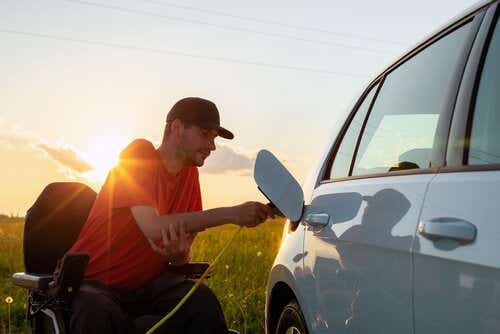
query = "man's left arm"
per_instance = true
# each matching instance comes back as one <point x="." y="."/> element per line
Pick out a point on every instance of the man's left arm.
<point x="176" y="244"/>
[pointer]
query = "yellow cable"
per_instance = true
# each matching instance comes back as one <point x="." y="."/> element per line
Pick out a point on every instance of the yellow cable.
<point x="194" y="287"/>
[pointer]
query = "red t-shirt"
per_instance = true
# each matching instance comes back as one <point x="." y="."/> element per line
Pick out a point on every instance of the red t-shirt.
<point x="120" y="254"/>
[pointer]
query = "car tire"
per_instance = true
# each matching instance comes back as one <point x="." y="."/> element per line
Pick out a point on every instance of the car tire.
<point x="291" y="320"/>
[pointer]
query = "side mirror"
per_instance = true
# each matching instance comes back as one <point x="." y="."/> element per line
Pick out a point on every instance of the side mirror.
<point x="278" y="185"/>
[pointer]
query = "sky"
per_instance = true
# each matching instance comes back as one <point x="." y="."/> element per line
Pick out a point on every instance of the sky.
<point x="81" y="79"/>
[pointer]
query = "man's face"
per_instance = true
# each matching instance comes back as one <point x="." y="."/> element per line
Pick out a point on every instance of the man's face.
<point x="197" y="143"/>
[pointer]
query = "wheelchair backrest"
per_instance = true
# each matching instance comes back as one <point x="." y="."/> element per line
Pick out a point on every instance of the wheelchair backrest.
<point x="53" y="223"/>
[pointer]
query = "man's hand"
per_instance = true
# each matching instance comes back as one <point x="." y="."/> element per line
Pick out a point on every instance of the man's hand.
<point x="251" y="214"/>
<point x="176" y="244"/>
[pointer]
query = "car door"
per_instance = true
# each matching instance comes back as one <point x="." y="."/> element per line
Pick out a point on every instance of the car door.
<point x="457" y="267"/>
<point x="363" y="215"/>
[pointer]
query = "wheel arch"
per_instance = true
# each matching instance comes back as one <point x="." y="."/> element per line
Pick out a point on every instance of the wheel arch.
<point x="281" y="294"/>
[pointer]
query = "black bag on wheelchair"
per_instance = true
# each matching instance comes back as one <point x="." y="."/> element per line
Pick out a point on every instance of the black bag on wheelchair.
<point x="51" y="227"/>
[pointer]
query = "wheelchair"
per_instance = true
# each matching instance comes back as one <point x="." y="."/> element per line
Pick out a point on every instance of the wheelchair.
<point x="52" y="276"/>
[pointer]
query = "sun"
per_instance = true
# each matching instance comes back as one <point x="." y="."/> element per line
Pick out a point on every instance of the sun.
<point x="103" y="154"/>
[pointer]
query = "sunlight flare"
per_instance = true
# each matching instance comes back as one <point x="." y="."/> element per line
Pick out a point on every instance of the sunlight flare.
<point x="103" y="155"/>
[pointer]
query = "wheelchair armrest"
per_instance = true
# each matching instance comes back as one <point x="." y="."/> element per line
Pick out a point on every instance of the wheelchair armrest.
<point x="190" y="270"/>
<point x="68" y="275"/>
<point x="32" y="281"/>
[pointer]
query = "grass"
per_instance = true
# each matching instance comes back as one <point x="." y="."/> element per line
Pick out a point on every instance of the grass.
<point x="239" y="279"/>
<point x="11" y="260"/>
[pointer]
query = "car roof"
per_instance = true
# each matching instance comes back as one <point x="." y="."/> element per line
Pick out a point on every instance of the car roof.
<point x="475" y="7"/>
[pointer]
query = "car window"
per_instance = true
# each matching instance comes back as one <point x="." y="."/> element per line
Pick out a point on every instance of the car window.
<point x="485" y="134"/>
<point x="343" y="158"/>
<point x="401" y="126"/>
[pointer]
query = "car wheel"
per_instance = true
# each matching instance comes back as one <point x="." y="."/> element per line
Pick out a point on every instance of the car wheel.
<point x="291" y="320"/>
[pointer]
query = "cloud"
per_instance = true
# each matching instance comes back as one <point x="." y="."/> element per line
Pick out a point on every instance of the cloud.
<point x="225" y="159"/>
<point x="13" y="138"/>
<point x="69" y="159"/>
<point x="7" y="142"/>
<point x="66" y="156"/>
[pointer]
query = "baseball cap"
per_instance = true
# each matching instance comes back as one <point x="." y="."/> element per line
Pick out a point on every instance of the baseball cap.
<point x="200" y="112"/>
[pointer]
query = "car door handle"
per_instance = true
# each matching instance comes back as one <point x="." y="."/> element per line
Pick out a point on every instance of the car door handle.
<point x="446" y="227"/>
<point x="317" y="219"/>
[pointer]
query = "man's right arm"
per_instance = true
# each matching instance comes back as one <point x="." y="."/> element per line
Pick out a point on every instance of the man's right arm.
<point x="247" y="214"/>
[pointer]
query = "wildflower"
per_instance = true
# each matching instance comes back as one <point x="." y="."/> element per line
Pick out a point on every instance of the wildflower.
<point x="259" y="253"/>
<point x="9" y="300"/>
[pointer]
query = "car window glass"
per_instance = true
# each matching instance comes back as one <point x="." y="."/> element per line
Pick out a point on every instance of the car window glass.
<point x="401" y="126"/>
<point x="485" y="135"/>
<point x="343" y="157"/>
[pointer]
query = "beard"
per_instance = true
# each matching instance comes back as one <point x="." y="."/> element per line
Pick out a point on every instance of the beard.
<point x="194" y="155"/>
<point x="197" y="158"/>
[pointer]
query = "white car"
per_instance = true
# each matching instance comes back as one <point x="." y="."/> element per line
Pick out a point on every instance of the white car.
<point x="397" y="229"/>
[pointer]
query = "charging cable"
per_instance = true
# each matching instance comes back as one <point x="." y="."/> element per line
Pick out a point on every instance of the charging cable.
<point x="195" y="286"/>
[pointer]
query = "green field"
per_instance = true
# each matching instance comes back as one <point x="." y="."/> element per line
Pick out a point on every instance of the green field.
<point x="239" y="279"/>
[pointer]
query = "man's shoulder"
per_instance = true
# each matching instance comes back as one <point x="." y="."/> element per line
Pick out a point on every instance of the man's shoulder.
<point x="139" y="149"/>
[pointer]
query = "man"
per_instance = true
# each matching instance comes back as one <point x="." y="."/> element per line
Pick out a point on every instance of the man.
<point x="145" y="216"/>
